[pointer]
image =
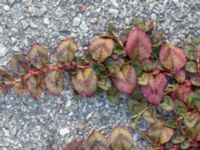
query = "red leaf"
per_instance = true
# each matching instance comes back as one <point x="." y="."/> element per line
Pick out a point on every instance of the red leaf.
<point x="138" y="44"/>
<point x="125" y="79"/>
<point x="153" y="92"/>
<point x="172" y="57"/>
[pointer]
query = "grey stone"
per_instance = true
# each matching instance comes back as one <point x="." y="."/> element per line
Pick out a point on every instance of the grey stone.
<point x="76" y="21"/>
<point x="114" y="12"/>
<point x="83" y="26"/>
<point x="114" y="2"/>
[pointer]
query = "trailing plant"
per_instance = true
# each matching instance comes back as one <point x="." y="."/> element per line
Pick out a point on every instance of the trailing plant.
<point x="160" y="79"/>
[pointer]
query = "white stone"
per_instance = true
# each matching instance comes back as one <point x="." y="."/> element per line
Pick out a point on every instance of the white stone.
<point x="46" y="21"/>
<point x="76" y="21"/>
<point x="13" y="40"/>
<point x="153" y="17"/>
<point x="114" y="3"/>
<point x="114" y="12"/>
<point x="64" y="131"/>
<point x="6" y="7"/>
<point x="83" y="26"/>
<point x="3" y="50"/>
<point x="69" y="103"/>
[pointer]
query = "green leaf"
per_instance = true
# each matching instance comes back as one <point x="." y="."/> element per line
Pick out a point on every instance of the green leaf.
<point x="138" y="67"/>
<point x="185" y="145"/>
<point x="148" y="117"/>
<point x="196" y="81"/>
<point x="113" y="95"/>
<point x="65" y="52"/>
<point x="54" y="81"/>
<point x="167" y="104"/>
<point x="191" y="67"/>
<point x="147" y="65"/>
<point x="190" y="52"/>
<point x="180" y="108"/>
<point x="110" y="65"/>
<point x="120" y="138"/>
<point x="178" y="139"/>
<point x="143" y="79"/>
<point x="20" y="64"/>
<point x="104" y="83"/>
<point x="191" y="119"/>
<point x="38" y="56"/>
<point x="99" y="69"/>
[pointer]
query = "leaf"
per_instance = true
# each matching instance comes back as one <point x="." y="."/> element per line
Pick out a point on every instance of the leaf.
<point x="65" y="52"/>
<point x="154" y="91"/>
<point x="20" y="87"/>
<point x="161" y="134"/>
<point x="167" y="104"/>
<point x="191" y="52"/>
<point x="104" y="83"/>
<point x="20" y="64"/>
<point x="194" y="100"/>
<point x="196" y="81"/>
<point x="148" y="117"/>
<point x="138" y="45"/>
<point x="5" y="75"/>
<point x="85" y="82"/>
<point x="34" y="86"/>
<point x="144" y="25"/>
<point x="180" y="76"/>
<point x="178" y="139"/>
<point x="101" y="48"/>
<point x="83" y="145"/>
<point x="191" y="67"/>
<point x="72" y="145"/>
<point x="113" y="95"/>
<point x="97" y="141"/>
<point x="54" y="81"/>
<point x="110" y="65"/>
<point x="38" y="56"/>
<point x="125" y="79"/>
<point x="120" y="138"/>
<point x="143" y="79"/>
<point x="157" y="38"/>
<point x="99" y="69"/>
<point x="172" y="57"/>
<point x="185" y="145"/>
<point x="137" y="66"/>
<point x="191" y="119"/>
<point x="147" y="65"/>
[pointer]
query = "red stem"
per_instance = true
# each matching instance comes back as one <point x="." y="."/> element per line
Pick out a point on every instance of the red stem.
<point x="43" y="70"/>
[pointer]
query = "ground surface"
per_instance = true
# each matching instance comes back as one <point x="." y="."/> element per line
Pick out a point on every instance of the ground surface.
<point x="27" y="124"/>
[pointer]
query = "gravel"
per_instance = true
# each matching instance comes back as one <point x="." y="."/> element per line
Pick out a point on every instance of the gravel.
<point x="26" y="123"/>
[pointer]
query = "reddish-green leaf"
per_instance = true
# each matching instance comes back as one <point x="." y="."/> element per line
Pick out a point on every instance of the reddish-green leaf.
<point x="20" y="64"/>
<point x="180" y="76"/>
<point x="5" y="75"/>
<point x="101" y="48"/>
<point x="54" y="81"/>
<point x="34" y="86"/>
<point x="154" y="91"/>
<point x="65" y="52"/>
<point x="172" y="57"/>
<point x="20" y="87"/>
<point x="72" y="145"/>
<point x="138" y="44"/>
<point x="121" y="139"/>
<point x="167" y="104"/>
<point x="125" y="79"/>
<point x="97" y="141"/>
<point x="38" y="55"/>
<point x="85" y="82"/>
<point x="161" y="134"/>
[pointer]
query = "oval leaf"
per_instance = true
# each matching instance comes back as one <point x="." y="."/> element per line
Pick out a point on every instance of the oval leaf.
<point x="97" y="141"/>
<point x="154" y="91"/>
<point x="38" y="55"/>
<point x="190" y="119"/>
<point x="20" y="64"/>
<point x="101" y="48"/>
<point x="196" y="81"/>
<point x="191" y="67"/>
<point x="34" y="86"/>
<point x="65" y="52"/>
<point x="85" y="82"/>
<point x="167" y="104"/>
<point x="125" y="79"/>
<point x="54" y="81"/>
<point x="120" y="138"/>
<point x="172" y="57"/>
<point x="138" y="44"/>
